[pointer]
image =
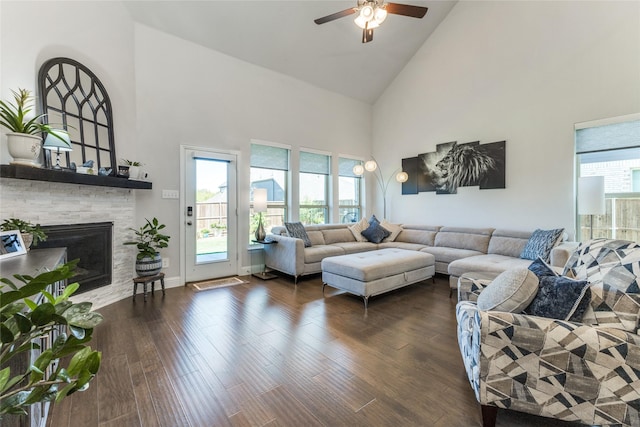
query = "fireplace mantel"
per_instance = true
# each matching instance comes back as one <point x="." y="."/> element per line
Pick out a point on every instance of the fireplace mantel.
<point x="49" y="175"/>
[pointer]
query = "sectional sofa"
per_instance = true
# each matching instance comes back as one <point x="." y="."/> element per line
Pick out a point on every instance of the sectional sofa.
<point x="456" y="250"/>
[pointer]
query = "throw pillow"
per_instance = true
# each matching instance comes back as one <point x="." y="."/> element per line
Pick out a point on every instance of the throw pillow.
<point x="512" y="291"/>
<point x="392" y="228"/>
<point x="376" y="233"/>
<point x="562" y="298"/>
<point x="541" y="268"/>
<point x="373" y="220"/>
<point x="540" y="244"/>
<point x="358" y="228"/>
<point x="296" y="229"/>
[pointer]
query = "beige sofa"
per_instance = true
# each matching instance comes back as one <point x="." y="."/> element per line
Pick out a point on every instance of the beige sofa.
<point x="457" y="250"/>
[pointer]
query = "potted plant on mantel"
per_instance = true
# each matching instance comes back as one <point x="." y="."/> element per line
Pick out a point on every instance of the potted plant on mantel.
<point x="149" y="241"/>
<point x="24" y="141"/>
<point x="129" y="168"/>
<point x="31" y="233"/>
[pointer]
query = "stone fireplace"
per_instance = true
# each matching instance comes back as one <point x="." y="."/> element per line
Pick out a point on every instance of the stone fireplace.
<point x="64" y="204"/>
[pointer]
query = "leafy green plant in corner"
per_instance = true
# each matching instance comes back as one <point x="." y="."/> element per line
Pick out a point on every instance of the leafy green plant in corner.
<point x="148" y="239"/>
<point x="14" y="116"/>
<point x="28" y="312"/>
<point x="24" y="227"/>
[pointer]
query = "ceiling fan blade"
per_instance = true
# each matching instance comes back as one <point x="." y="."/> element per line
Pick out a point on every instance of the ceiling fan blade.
<point x="406" y="10"/>
<point x="367" y="35"/>
<point x="335" y="16"/>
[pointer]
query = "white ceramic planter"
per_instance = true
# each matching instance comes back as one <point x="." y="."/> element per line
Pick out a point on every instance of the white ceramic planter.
<point x="25" y="149"/>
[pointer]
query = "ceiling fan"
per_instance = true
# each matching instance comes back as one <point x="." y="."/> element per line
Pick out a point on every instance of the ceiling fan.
<point x="371" y="13"/>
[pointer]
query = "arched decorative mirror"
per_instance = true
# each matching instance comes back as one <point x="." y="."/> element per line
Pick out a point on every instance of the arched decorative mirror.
<point x="74" y="99"/>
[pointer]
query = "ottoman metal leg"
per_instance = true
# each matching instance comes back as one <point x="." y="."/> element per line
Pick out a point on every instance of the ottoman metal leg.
<point x="366" y="302"/>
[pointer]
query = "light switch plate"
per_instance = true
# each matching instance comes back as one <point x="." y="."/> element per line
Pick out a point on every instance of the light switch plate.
<point x="170" y="194"/>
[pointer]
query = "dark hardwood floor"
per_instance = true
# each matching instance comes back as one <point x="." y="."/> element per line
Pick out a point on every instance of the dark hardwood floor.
<point x="273" y="354"/>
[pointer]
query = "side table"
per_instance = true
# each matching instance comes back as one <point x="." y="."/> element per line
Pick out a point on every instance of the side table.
<point x="263" y="274"/>
<point x="145" y="280"/>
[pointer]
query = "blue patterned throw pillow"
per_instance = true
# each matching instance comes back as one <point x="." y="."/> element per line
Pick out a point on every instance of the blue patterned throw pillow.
<point x="560" y="298"/>
<point x="541" y="268"/>
<point x="540" y="244"/>
<point x="296" y="229"/>
<point x="376" y="233"/>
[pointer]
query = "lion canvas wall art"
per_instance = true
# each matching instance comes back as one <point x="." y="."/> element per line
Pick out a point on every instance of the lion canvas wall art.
<point x="455" y="165"/>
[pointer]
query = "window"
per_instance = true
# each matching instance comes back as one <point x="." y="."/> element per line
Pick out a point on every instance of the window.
<point x="612" y="150"/>
<point x="314" y="187"/>
<point x="270" y="170"/>
<point x="349" y="185"/>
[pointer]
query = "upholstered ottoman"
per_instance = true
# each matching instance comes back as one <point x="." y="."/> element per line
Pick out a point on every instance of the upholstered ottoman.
<point x="372" y="273"/>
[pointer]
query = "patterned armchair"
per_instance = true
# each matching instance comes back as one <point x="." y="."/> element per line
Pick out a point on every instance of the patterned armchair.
<point x="587" y="372"/>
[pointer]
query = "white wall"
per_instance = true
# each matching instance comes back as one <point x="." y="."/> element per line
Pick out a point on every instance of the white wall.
<point x="194" y="96"/>
<point x="523" y="72"/>
<point x="98" y="34"/>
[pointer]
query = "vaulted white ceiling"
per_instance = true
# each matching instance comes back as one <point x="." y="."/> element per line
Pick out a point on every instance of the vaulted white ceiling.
<point x="281" y="36"/>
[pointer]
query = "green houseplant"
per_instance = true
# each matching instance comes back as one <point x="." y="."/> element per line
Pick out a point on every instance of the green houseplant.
<point x="149" y="240"/>
<point x="28" y="312"/>
<point x="31" y="233"/>
<point x="23" y="140"/>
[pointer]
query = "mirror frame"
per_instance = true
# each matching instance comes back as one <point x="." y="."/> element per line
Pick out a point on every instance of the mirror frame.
<point x="65" y="80"/>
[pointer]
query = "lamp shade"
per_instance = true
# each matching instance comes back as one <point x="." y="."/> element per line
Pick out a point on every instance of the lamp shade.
<point x="260" y="200"/>
<point x="358" y="170"/>
<point x="402" y="176"/>
<point x="51" y="142"/>
<point x="591" y="195"/>
<point x="370" y="165"/>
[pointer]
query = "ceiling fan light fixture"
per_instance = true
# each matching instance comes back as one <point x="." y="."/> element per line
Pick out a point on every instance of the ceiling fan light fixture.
<point x="367" y="12"/>
<point x="360" y="22"/>
<point x="380" y="15"/>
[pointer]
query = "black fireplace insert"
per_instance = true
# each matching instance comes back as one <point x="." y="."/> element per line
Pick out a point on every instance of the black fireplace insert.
<point x="92" y="244"/>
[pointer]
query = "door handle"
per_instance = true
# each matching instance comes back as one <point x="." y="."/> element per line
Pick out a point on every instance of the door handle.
<point x="189" y="223"/>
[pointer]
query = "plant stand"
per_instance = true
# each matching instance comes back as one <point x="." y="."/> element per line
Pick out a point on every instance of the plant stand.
<point x="145" y="280"/>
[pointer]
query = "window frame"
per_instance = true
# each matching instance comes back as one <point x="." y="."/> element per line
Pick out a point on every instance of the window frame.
<point x="586" y="148"/>
<point x="358" y="206"/>
<point x="285" y="205"/>
<point x="326" y="207"/>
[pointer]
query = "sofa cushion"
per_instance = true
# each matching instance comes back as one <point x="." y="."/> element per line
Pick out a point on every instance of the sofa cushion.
<point x="475" y="239"/>
<point x="512" y="291"/>
<point x="421" y="237"/>
<point x="401" y="245"/>
<point x="560" y="297"/>
<point x="357" y="229"/>
<point x="376" y="233"/>
<point x="508" y="242"/>
<point x="611" y="308"/>
<point x="338" y="235"/>
<point x="318" y="253"/>
<point x="394" y="229"/>
<point x="540" y="244"/>
<point x="355" y="247"/>
<point x="296" y="230"/>
<point x="489" y="263"/>
<point x="448" y="255"/>
<point x="316" y="237"/>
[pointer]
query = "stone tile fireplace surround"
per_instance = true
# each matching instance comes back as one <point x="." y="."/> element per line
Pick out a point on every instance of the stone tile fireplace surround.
<point x="54" y="203"/>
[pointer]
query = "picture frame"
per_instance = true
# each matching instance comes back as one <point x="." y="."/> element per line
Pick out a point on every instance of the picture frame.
<point x="12" y="244"/>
